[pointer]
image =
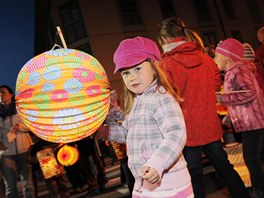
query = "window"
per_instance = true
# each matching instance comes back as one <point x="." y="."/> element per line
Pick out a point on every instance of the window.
<point x="201" y="7"/>
<point x="129" y="12"/>
<point x="229" y="10"/>
<point x="167" y="9"/>
<point x="210" y="38"/>
<point x="85" y="48"/>
<point x="72" y="21"/>
<point x="254" y="10"/>
<point x="237" y="35"/>
<point x="130" y="16"/>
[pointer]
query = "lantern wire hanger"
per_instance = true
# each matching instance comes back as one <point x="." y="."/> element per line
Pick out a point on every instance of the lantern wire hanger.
<point x="56" y="46"/>
<point x="57" y="147"/>
<point x="59" y="32"/>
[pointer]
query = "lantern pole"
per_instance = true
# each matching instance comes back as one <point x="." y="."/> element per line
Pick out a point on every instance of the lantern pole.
<point x="98" y="148"/>
<point x="61" y="37"/>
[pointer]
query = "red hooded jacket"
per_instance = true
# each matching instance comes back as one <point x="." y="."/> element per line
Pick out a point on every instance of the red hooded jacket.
<point x="197" y="77"/>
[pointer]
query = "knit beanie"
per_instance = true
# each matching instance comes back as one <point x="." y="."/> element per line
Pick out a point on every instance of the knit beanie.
<point x="249" y="53"/>
<point x="231" y="48"/>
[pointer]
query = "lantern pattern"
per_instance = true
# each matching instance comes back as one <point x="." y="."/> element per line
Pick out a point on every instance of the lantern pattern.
<point x="62" y="95"/>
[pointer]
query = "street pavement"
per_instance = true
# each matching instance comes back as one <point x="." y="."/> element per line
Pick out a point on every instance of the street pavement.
<point x="214" y="188"/>
<point x="114" y="188"/>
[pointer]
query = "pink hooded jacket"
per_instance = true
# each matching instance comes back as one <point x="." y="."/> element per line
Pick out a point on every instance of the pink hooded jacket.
<point x="246" y="109"/>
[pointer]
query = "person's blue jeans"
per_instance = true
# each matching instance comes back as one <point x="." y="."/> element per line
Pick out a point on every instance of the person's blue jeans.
<point x="218" y="158"/>
<point x="252" y="145"/>
<point x="11" y="165"/>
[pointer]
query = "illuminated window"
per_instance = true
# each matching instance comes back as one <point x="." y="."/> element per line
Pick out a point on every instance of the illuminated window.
<point x="72" y="21"/>
<point x="167" y="9"/>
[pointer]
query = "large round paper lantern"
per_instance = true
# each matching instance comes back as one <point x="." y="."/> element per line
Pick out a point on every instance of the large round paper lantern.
<point x="68" y="155"/>
<point x="62" y="95"/>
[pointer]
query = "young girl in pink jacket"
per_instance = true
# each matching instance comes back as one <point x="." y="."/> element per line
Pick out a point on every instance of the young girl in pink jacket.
<point x="245" y="102"/>
<point x="154" y="128"/>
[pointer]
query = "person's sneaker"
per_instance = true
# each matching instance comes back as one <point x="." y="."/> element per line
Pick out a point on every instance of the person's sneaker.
<point x="93" y="191"/>
<point x="102" y="183"/>
<point x="78" y="190"/>
<point x="84" y="188"/>
<point x="92" y="182"/>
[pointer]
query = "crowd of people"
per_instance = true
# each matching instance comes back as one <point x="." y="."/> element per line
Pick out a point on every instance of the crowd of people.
<point x="166" y="120"/>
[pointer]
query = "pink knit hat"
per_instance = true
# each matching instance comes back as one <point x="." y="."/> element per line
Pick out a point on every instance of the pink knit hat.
<point x="231" y="48"/>
<point x="133" y="51"/>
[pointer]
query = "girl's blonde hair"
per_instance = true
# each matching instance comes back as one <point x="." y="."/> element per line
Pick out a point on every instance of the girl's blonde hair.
<point x="127" y="98"/>
<point x="174" y="27"/>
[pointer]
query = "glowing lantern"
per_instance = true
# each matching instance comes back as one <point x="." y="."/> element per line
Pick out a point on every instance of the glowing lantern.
<point x="221" y="109"/>
<point x="68" y="155"/>
<point x="62" y="95"/>
<point x="48" y="163"/>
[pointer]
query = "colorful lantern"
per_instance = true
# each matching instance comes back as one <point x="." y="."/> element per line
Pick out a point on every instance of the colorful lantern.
<point x="62" y="95"/>
<point x="68" y="155"/>
<point x="222" y="110"/>
<point x="48" y="163"/>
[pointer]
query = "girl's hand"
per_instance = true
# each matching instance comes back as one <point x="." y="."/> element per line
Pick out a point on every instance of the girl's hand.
<point x="150" y="174"/>
<point x="15" y="128"/>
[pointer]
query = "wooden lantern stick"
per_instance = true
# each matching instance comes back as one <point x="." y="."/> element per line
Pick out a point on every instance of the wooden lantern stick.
<point x="61" y="37"/>
<point x="229" y="92"/>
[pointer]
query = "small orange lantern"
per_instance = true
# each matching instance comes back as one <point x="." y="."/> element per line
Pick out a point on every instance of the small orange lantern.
<point x="68" y="155"/>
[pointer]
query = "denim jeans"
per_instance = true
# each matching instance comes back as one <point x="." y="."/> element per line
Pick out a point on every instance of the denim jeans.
<point x="252" y="145"/>
<point x="11" y="165"/>
<point x="218" y="158"/>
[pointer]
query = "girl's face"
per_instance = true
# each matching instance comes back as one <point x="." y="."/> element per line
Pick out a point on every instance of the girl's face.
<point x="137" y="79"/>
<point x="221" y="61"/>
<point x="5" y="96"/>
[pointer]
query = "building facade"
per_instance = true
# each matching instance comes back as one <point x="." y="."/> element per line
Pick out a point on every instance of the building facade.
<point x="98" y="26"/>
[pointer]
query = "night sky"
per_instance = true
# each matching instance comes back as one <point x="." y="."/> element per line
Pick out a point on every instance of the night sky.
<point x="16" y="37"/>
